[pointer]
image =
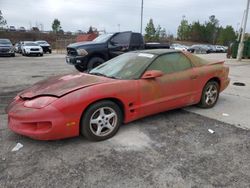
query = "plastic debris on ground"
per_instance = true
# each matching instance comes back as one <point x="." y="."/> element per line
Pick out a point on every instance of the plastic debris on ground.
<point x="225" y="114"/>
<point x="211" y="131"/>
<point x="17" y="147"/>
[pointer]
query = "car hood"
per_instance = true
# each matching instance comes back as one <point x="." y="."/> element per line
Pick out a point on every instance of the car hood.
<point x="62" y="85"/>
<point x="28" y="47"/>
<point x="5" y="46"/>
<point x="84" y="44"/>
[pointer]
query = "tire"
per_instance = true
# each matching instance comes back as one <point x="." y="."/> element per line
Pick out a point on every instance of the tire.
<point x="50" y="51"/>
<point x="13" y="55"/>
<point x="98" y="116"/>
<point x="41" y="54"/>
<point x="94" y="62"/>
<point x="80" y="68"/>
<point x="210" y="95"/>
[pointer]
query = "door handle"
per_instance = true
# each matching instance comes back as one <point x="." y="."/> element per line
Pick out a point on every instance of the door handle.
<point x="193" y="77"/>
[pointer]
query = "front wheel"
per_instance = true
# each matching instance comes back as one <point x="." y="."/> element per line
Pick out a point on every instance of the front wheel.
<point x="94" y="62"/>
<point x="210" y="95"/>
<point x="101" y="121"/>
<point x="80" y="68"/>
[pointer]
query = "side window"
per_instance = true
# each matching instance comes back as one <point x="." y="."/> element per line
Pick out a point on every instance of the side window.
<point x="181" y="62"/>
<point x="136" y="41"/>
<point x="163" y="64"/>
<point x="170" y="63"/>
<point x="122" y="38"/>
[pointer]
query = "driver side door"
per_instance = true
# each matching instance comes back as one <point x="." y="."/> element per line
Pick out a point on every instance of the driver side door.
<point x="172" y="90"/>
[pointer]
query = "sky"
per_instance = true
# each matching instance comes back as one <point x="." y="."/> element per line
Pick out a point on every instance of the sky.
<point x="115" y="15"/>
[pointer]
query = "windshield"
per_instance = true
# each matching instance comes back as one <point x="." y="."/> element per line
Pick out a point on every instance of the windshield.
<point x="127" y="66"/>
<point x="30" y="44"/>
<point x="42" y="42"/>
<point x="103" y="38"/>
<point x="5" y="41"/>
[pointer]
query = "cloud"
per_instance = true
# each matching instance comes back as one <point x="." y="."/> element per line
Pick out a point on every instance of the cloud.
<point x="107" y="14"/>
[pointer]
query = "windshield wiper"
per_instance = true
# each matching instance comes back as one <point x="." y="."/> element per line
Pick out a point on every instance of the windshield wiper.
<point x="100" y="74"/>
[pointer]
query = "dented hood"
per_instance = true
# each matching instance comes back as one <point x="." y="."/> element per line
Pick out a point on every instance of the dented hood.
<point x="61" y="85"/>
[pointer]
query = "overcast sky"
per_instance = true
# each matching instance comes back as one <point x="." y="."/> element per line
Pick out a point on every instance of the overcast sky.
<point x="108" y="14"/>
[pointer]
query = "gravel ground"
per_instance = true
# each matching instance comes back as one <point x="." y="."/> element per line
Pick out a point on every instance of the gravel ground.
<point x="171" y="149"/>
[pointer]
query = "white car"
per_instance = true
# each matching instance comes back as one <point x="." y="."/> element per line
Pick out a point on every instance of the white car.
<point x="180" y="47"/>
<point x="31" y="48"/>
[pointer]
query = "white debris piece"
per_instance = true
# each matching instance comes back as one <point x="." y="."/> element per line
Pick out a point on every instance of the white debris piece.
<point x="17" y="147"/>
<point x="211" y="131"/>
<point x="225" y="114"/>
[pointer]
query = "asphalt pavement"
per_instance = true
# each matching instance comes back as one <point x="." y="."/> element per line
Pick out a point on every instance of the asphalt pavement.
<point x="172" y="149"/>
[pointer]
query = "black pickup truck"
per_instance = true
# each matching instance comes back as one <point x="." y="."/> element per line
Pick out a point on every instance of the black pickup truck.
<point x="87" y="55"/>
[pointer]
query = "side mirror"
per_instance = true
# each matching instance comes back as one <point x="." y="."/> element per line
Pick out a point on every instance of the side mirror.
<point x="151" y="74"/>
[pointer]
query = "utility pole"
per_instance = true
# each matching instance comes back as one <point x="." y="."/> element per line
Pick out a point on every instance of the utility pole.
<point x="241" y="45"/>
<point x="141" y="15"/>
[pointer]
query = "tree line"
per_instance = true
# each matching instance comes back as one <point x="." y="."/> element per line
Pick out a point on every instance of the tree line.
<point x="208" y="32"/>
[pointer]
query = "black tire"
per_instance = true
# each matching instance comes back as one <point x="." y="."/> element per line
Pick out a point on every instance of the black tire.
<point x="41" y="54"/>
<point x="13" y="55"/>
<point x="213" y="97"/>
<point x="88" y="129"/>
<point x="23" y="53"/>
<point x="80" y="68"/>
<point x="94" y="62"/>
<point x="50" y="51"/>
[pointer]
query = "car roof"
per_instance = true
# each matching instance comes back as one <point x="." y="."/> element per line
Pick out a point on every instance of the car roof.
<point x="158" y="51"/>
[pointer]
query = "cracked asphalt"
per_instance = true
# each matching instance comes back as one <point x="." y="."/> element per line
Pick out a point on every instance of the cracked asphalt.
<point x="171" y="149"/>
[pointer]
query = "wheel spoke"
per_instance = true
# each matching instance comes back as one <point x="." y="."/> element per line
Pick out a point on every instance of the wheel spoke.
<point x="94" y="121"/>
<point x="102" y="113"/>
<point x="207" y="100"/>
<point x="99" y="129"/>
<point x="111" y="115"/>
<point x="109" y="126"/>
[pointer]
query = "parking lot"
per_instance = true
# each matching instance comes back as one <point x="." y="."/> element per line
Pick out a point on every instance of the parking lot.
<point x="171" y="149"/>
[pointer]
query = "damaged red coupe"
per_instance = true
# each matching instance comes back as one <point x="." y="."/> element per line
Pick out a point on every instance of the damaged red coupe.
<point x="126" y="88"/>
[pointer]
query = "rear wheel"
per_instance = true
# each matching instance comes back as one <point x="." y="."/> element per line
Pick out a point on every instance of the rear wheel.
<point x="101" y="121"/>
<point x="210" y="95"/>
<point x="94" y="62"/>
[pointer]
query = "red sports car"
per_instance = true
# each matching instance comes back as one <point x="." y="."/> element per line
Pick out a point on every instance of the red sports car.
<point x="126" y="88"/>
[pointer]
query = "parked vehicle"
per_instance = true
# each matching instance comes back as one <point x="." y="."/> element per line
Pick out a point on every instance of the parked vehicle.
<point x="22" y="29"/>
<point x="6" y="48"/>
<point x="199" y="48"/>
<point x="220" y="49"/>
<point x="31" y="48"/>
<point x="177" y="46"/>
<point x="88" y="55"/>
<point x="45" y="45"/>
<point x="12" y="28"/>
<point x="126" y="88"/>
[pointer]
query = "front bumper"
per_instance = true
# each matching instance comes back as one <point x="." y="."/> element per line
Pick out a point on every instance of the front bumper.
<point x="6" y="52"/>
<point x="76" y="60"/>
<point x="42" y="124"/>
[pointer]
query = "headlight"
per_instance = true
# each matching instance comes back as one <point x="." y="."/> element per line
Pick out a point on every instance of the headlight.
<point x="39" y="102"/>
<point x="82" y="52"/>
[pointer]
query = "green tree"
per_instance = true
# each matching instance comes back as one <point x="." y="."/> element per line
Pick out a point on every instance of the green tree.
<point x="150" y="31"/>
<point x="3" y="22"/>
<point x="183" y="32"/>
<point x="56" y="25"/>
<point x="90" y="30"/>
<point x="212" y="28"/>
<point x="226" y="35"/>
